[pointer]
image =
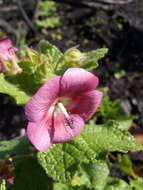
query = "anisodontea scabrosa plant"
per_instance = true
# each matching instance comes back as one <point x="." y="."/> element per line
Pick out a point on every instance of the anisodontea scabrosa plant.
<point x="8" y="58"/>
<point x="59" y="109"/>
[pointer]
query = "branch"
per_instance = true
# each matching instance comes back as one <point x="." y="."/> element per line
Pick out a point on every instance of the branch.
<point x="25" y="17"/>
<point x="101" y="4"/>
<point x="121" y="2"/>
<point x="89" y="4"/>
<point x="36" y="8"/>
<point x="7" y="27"/>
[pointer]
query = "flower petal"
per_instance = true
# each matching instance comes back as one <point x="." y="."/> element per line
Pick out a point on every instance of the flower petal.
<point x="62" y="131"/>
<point x="86" y="104"/>
<point x="39" y="104"/>
<point x="39" y="135"/>
<point x="6" y="48"/>
<point x="76" y="81"/>
<point x="5" y="43"/>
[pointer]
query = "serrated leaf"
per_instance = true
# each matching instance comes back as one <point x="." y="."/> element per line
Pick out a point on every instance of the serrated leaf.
<point x="61" y="160"/>
<point x="30" y="176"/>
<point x="19" y="145"/>
<point x="13" y="90"/>
<point x="109" y="138"/>
<point x="80" y="179"/>
<point x="125" y="124"/>
<point x="3" y="185"/>
<point x="92" y="58"/>
<point x="59" y="186"/>
<point x="97" y="173"/>
<point x="36" y="66"/>
<point x="55" y="56"/>
<point x="51" y="51"/>
<point x="116" y="184"/>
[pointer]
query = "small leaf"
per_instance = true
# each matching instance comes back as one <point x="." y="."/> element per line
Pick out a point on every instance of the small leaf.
<point x="3" y="185"/>
<point x="110" y="109"/>
<point x="97" y="173"/>
<point x="125" y="124"/>
<point x="6" y="87"/>
<point x="50" y="22"/>
<point x="51" y="51"/>
<point x="126" y="165"/>
<point x="54" y="55"/>
<point x="92" y="58"/>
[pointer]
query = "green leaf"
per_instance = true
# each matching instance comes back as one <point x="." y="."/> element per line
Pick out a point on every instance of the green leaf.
<point x="13" y="90"/>
<point x="47" y="8"/>
<point x="72" y="57"/>
<point x="97" y="173"/>
<point x="110" y="109"/>
<point x="116" y="184"/>
<point x="126" y="165"/>
<point x="54" y="55"/>
<point x="125" y="124"/>
<point x="46" y="15"/>
<point x="30" y="176"/>
<point x="37" y="67"/>
<point x="137" y="184"/>
<point x="3" y="185"/>
<point x="61" y="160"/>
<point x="109" y="138"/>
<point x="16" y="146"/>
<point x="92" y="58"/>
<point x="51" y="51"/>
<point x="50" y="22"/>
<point x="60" y="186"/>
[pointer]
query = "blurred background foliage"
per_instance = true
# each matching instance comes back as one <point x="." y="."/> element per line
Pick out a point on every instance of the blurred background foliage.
<point x="88" y="24"/>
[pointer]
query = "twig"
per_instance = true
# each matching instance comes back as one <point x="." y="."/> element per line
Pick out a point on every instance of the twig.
<point x="90" y="4"/>
<point x="121" y="2"/>
<point x="36" y="8"/>
<point x="25" y="17"/>
<point x="8" y="8"/>
<point x="96" y="5"/>
<point x="101" y="4"/>
<point x="7" y="27"/>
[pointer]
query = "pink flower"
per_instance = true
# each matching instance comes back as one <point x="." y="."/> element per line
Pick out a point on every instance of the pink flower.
<point x="8" y="59"/>
<point x="57" y="112"/>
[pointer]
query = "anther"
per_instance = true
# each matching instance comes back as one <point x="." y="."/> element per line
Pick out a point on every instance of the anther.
<point x="69" y="121"/>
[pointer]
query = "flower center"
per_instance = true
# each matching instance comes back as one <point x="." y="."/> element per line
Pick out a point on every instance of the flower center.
<point x="69" y="121"/>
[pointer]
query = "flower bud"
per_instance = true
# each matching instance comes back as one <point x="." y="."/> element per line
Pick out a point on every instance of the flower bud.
<point x="8" y="58"/>
<point x="74" y="57"/>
